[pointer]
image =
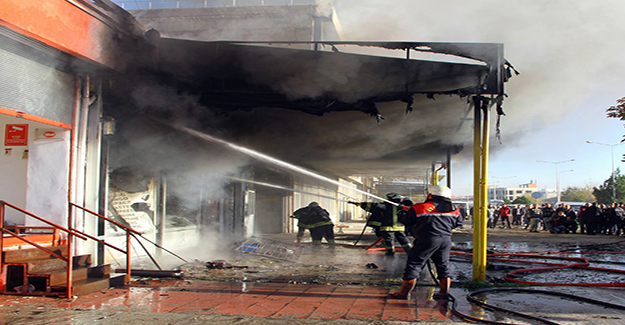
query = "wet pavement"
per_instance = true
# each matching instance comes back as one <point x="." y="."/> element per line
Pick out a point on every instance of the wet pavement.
<point x="349" y="285"/>
<point x="183" y="301"/>
<point x="265" y="300"/>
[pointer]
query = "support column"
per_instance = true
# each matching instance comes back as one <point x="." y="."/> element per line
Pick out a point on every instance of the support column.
<point x="161" y="213"/>
<point x="448" y="163"/>
<point x="480" y="169"/>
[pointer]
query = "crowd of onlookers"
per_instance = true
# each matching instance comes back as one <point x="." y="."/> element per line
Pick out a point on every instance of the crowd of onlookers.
<point x="591" y="219"/>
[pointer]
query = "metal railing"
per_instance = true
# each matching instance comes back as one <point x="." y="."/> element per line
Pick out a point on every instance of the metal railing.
<point x="71" y="233"/>
<point x="173" y="4"/>
<point x="129" y="233"/>
<point x="70" y="238"/>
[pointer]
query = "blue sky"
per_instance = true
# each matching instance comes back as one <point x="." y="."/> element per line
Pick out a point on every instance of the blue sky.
<point x="569" y="54"/>
<point x="562" y="140"/>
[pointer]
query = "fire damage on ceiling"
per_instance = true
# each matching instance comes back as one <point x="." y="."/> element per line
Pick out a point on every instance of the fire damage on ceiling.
<point x="255" y="94"/>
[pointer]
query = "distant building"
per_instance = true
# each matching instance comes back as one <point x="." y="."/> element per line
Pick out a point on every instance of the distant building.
<point x="512" y="193"/>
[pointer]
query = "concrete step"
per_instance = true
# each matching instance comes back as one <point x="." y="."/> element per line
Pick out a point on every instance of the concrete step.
<point x="118" y="280"/>
<point x="59" y="277"/>
<point x="29" y="254"/>
<point x="87" y="286"/>
<point x="53" y="264"/>
<point x="99" y="271"/>
<point x="13" y="243"/>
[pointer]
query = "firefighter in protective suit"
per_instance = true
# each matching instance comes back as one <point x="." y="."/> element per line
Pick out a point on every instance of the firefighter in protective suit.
<point x="317" y="220"/>
<point x="384" y="220"/>
<point x="432" y="223"/>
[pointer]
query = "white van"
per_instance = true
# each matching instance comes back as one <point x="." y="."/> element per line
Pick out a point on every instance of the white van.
<point x="574" y="205"/>
<point x="467" y="205"/>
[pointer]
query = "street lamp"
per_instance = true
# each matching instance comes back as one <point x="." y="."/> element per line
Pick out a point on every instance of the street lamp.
<point x="497" y="186"/>
<point x="565" y="171"/>
<point x="556" y="163"/>
<point x="612" y="152"/>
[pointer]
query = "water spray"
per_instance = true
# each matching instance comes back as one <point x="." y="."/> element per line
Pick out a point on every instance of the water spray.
<point x="274" y="161"/>
<point x="287" y="188"/>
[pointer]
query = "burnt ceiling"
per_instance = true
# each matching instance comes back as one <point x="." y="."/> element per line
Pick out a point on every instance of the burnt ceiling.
<point x="306" y="106"/>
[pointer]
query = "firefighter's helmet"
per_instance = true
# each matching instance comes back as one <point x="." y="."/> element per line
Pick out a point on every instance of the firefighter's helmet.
<point x="440" y="190"/>
<point x="393" y="197"/>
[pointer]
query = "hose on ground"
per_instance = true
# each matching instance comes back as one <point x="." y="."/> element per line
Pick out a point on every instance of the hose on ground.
<point x="471" y="298"/>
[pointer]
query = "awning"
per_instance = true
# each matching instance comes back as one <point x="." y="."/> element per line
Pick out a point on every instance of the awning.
<point x="230" y="75"/>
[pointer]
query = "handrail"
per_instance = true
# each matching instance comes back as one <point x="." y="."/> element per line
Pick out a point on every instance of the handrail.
<point x="40" y="219"/>
<point x="55" y="231"/>
<point x="71" y="232"/>
<point x="105" y="218"/>
<point x="34" y="244"/>
<point x="100" y="241"/>
<point x="70" y="239"/>
<point x="128" y="232"/>
<point x="128" y="229"/>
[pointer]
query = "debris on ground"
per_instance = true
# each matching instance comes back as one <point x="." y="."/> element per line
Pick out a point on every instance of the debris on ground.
<point x="270" y="248"/>
<point x="221" y="264"/>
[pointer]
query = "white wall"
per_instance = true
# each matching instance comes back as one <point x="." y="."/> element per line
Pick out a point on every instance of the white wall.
<point x="35" y="177"/>
<point x="47" y="178"/>
<point x="13" y="170"/>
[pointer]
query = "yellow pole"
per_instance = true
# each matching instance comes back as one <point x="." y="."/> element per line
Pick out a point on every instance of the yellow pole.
<point x="479" y="198"/>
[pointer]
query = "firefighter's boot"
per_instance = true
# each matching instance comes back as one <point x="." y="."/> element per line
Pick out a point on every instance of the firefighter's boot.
<point x="404" y="290"/>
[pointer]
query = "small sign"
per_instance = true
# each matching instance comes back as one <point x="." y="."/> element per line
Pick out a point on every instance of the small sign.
<point x="16" y="135"/>
<point x="48" y="134"/>
<point x="537" y="195"/>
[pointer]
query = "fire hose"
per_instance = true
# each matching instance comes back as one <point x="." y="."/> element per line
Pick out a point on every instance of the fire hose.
<point x="581" y="263"/>
<point x="471" y="298"/>
<point x="577" y="262"/>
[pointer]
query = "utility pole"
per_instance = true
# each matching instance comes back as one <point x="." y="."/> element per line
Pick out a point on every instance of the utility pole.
<point x="612" y="160"/>
<point x="557" y="175"/>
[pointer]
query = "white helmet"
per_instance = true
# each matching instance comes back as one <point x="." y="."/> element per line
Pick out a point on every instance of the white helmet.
<point x="440" y="190"/>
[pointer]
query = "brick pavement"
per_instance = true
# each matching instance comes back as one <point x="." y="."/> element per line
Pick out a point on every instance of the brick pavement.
<point x="268" y="300"/>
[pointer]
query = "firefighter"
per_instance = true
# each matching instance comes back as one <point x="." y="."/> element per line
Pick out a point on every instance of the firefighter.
<point x="406" y="205"/>
<point x="384" y="220"/>
<point x="432" y="223"/>
<point x="317" y="220"/>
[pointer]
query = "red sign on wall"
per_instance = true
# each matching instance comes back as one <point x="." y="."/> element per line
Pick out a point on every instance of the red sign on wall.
<point x="16" y="135"/>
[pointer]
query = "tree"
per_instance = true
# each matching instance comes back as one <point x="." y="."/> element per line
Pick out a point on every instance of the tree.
<point x="522" y="200"/>
<point x="578" y="194"/>
<point x="604" y="192"/>
<point x="618" y="111"/>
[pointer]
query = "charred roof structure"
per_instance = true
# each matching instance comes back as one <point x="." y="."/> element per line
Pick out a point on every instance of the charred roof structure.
<point x="245" y="90"/>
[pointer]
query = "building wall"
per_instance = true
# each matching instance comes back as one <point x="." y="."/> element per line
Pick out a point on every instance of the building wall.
<point x="67" y="27"/>
<point x="33" y="89"/>
<point x="30" y="82"/>
<point x="271" y="23"/>
<point x="48" y="52"/>
<point x="13" y="170"/>
<point x="48" y="178"/>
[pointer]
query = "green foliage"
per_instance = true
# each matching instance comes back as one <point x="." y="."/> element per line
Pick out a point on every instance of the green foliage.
<point x="522" y="200"/>
<point x="618" y="110"/>
<point x="578" y="194"/>
<point x="604" y="192"/>
<point x="506" y="201"/>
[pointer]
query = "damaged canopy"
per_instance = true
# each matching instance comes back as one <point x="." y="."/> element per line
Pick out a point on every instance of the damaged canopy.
<point x="230" y="76"/>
